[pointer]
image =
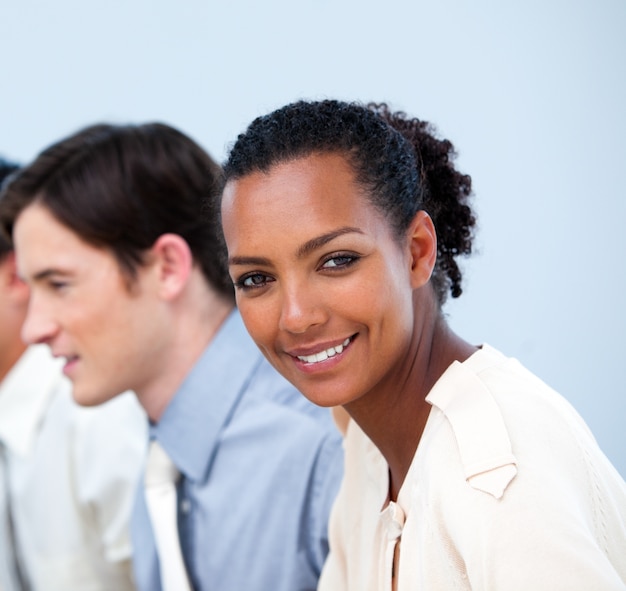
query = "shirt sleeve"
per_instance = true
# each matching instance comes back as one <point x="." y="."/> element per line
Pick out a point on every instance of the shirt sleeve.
<point x="110" y="447"/>
<point x="556" y="520"/>
<point x="326" y="479"/>
<point x="562" y="526"/>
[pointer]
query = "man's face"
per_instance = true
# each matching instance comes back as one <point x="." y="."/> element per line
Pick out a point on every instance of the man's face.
<point x="86" y="309"/>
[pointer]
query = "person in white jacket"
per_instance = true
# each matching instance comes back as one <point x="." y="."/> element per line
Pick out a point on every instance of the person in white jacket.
<point x="68" y="474"/>
<point x="463" y="471"/>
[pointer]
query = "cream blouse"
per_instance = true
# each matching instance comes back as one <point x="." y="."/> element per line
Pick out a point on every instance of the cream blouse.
<point x="508" y="491"/>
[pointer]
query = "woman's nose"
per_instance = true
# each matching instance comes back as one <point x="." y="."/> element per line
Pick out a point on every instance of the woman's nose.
<point x="301" y="309"/>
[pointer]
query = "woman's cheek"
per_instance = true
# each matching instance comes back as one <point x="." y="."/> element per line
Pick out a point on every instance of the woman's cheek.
<point x="256" y="317"/>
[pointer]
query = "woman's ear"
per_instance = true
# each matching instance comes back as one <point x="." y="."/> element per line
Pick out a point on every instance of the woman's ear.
<point x="172" y="262"/>
<point x="422" y="238"/>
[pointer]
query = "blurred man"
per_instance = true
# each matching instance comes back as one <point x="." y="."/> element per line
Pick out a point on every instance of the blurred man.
<point x="129" y="285"/>
<point x="67" y="474"/>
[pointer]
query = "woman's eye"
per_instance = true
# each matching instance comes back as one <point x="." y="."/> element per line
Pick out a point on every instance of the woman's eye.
<point x="252" y="281"/>
<point x="339" y="261"/>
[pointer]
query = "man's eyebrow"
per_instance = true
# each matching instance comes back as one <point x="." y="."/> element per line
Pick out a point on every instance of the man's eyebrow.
<point x="305" y="249"/>
<point x="46" y="273"/>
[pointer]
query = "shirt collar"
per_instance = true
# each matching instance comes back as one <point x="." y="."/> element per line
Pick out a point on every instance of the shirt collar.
<point x="190" y="426"/>
<point x="477" y="422"/>
<point x="25" y="394"/>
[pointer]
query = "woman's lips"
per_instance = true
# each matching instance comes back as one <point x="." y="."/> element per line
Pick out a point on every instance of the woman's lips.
<point x="324" y="354"/>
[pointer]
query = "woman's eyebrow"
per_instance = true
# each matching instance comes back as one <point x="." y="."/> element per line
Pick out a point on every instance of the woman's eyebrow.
<point x="319" y="241"/>
<point x="261" y="261"/>
<point x="308" y="247"/>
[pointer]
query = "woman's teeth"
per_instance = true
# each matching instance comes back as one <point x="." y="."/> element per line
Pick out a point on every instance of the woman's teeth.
<point x="323" y="355"/>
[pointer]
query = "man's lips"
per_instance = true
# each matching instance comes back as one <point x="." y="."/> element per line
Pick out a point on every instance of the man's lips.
<point x="70" y="362"/>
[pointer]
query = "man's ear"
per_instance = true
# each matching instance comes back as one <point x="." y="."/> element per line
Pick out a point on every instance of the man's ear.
<point x="422" y="238"/>
<point x="11" y="281"/>
<point x="172" y="262"/>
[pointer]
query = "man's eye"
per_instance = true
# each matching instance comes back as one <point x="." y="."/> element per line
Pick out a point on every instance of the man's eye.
<point x="57" y="285"/>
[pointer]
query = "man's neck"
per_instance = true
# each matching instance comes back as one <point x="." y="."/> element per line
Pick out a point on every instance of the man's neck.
<point x="197" y="324"/>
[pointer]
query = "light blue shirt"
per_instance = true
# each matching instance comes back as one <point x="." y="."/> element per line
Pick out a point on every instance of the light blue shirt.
<point x="261" y="467"/>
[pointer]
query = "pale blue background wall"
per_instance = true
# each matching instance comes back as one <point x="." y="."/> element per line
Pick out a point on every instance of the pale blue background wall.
<point x="532" y="93"/>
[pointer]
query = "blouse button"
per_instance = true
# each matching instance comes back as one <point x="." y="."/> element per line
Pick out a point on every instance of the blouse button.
<point x="394" y="520"/>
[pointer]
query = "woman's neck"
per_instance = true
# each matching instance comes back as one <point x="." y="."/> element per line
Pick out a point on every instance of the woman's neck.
<point x="394" y="416"/>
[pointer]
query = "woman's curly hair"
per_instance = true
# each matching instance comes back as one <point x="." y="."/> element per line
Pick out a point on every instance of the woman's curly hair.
<point x="399" y="160"/>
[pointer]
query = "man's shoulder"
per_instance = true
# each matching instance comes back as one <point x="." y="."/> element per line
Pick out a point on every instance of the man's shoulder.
<point x="269" y="387"/>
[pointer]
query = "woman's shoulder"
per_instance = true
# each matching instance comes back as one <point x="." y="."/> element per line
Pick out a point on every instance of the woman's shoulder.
<point x="491" y="414"/>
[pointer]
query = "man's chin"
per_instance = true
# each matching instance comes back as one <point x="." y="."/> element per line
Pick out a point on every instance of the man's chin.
<point x="88" y="398"/>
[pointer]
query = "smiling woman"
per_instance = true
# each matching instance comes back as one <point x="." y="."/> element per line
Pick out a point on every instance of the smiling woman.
<point x="343" y="224"/>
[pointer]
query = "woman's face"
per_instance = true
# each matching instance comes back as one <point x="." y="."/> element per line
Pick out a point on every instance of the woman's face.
<point x="323" y="286"/>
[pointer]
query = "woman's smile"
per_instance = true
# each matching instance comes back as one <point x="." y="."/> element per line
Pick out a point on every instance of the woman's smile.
<point x="324" y="354"/>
